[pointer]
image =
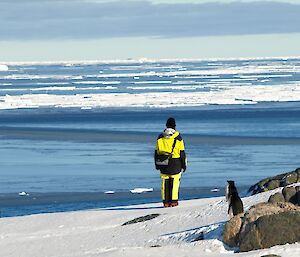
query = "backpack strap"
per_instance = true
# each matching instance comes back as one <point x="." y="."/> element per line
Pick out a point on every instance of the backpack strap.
<point x="173" y="145"/>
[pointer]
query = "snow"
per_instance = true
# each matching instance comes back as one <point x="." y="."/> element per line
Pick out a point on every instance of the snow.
<point x="141" y="190"/>
<point x="218" y="96"/>
<point x="3" y="67"/>
<point x="154" y="82"/>
<point x="56" y="88"/>
<point x="109" y="192"/>
<point x="99" y="232"/>
<point x="98" y="82"/>
<point x="242" y="70"/>
<point x="23" y="194"/>
<point x="135" y="61"/>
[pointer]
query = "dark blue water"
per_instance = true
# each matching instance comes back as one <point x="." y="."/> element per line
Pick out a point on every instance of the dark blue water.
<point x="39" y="154"/>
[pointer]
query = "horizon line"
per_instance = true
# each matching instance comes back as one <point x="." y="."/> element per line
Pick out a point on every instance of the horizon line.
<point x="143" y="60"/>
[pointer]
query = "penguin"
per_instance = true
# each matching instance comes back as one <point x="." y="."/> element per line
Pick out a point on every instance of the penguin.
<point x="235" y="204"/>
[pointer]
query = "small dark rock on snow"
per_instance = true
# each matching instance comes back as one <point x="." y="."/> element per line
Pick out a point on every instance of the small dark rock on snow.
<point x="141" y="219"/>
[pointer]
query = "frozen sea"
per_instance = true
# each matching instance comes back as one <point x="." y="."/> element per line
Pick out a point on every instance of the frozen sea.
<point x="71" y="131"/>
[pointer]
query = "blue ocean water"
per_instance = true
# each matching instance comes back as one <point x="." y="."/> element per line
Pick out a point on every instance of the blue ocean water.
<point x="89" y="149"/>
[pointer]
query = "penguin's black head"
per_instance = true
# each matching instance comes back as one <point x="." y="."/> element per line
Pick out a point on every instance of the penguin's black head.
<point x="230" y="182"/>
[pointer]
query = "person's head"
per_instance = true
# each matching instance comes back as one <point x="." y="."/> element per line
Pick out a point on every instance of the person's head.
<point x="171" y="123"/>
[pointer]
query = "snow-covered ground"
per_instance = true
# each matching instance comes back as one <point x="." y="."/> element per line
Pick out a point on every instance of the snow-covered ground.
<point x="100" y="232"/>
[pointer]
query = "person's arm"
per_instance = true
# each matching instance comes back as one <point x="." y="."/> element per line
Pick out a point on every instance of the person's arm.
<point x="155" y="154"/>
<point x="183" y="158"/>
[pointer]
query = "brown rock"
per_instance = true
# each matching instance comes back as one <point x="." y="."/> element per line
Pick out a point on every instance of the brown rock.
<point x="267" y="231"/>
<point x="289" y="194"/>
<point x="232" y="229"/>
<point x="272" y="184"/>
<point x="263" y="182"/>
<point x="276" y="198"/>
<point x="284" y="179"/>
<point x="290" y="178"/>
<point x="298" y="194"/>
<point x="263" y="209"/>
<point x="298" y="172"/>
<point x="141" y="219"/>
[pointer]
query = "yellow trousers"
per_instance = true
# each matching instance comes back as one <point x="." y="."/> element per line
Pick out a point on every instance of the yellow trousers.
<point x="170" y="187"/>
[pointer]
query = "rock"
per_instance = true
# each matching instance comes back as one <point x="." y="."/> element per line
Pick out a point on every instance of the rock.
<point x="267" y="231"/>
<point x="253" y="189"/>
<point x="262" y="183"/>
<point x="199" y="237"/>
<point x="263" y="209"/>
<point x="141" y="219"/>
<point x="289" y="179"/>
<point x="298" y="194"/>
<point x="263" y="225"/>
<point x="289" y="194"/>
<point x="272" y="184"/>
<point x="232" y="229"/>
<point x="276" y="198"/>
<point x="298" y="172"/>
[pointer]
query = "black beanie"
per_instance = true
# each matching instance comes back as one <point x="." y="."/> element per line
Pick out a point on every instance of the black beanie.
<point x="171" y="123"/>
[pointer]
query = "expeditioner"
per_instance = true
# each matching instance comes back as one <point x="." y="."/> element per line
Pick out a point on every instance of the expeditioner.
<point x="170" y="159"/>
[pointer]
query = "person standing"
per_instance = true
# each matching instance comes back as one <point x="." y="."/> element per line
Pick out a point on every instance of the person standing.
<point x="170" y="159"/>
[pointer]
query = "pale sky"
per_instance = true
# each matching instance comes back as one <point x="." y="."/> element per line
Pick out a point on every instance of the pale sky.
<point x="48" y="30"/>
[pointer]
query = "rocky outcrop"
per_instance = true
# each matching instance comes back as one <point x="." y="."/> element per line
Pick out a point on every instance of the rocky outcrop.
<point x="263" y="225"/>
<point x="267" y="231"/>
<point x="289" y="194"/>
<point x="232" y="230"/>
<point x="277" y="198"/>
<point x="271" y="183"/>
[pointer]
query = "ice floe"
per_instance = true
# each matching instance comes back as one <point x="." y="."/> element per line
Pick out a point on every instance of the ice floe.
<point x="109" y="192"/>
<point x="141" y="190"/>
<point x="3" y="67"/>
<point x="23" y="194"/>
<point x="229" y="95"/>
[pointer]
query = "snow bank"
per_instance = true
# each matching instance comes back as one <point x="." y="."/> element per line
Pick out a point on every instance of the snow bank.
<point x="192" y="229"/>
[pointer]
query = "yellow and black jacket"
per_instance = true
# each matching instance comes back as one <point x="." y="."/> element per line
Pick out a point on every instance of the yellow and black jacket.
<point x="164" y="145"/>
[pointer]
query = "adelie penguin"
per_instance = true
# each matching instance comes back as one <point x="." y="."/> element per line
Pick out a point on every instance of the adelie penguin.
<point x="235" y="204"/>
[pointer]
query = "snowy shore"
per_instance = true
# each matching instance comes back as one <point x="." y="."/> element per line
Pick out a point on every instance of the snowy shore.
<point x="92" y="233"/>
